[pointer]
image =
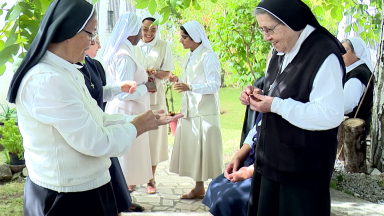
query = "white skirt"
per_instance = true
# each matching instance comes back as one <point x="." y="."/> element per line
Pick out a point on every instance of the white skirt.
<point x="198" y="151"/>
<point x="136" y="163"/>
<point x="158" y="140"/>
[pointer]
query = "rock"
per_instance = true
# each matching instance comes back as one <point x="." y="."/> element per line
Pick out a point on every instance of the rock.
<point x="5" y="172"/>
<point x="356" y="195"/>
<point x="16" y="176"/>
<point x="375" y="172"/>
<point x="25" y="172"/>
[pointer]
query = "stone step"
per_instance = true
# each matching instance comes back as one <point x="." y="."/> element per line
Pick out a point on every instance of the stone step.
<point x="166" y="214"/>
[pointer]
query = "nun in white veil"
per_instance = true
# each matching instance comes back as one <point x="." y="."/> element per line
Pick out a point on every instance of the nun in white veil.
<point x="197" y="151"/>
<point x="123" y="65"/>
<point x="359" y="70"/>
<point x="156" y="57"/>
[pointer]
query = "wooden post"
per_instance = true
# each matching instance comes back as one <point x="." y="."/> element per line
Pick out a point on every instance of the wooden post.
<point x="352" y="136"/>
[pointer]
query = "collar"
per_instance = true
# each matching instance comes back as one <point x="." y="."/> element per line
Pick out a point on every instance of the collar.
<point x="291" y="54"/>
<point x="151" y="44"/>
<point x="196" y="51"/>
<point x="354" y="65"/>
<point x="60" y="62"/>
<point x="128" y="44"/>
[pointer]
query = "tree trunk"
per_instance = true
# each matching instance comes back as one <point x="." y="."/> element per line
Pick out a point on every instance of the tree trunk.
<point x="352" y="136"/>
<point x="377" y="133"/>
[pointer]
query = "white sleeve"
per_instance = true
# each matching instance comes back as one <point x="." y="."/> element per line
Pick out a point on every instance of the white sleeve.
<point x="110" y="91"/>
<point x="212" y="74"/>
<point x="353" y="91"/>
<point x="168" y="64"/>
<point x="125" y="71"/>
<point x="325" y="109"/>
<point x="48" y="103"/>
<point x="249" y="139"/>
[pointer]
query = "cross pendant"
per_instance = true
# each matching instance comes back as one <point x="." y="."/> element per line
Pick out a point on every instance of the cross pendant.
<point x="93" y="86"/>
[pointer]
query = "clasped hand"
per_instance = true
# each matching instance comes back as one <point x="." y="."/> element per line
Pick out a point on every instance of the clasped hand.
<point x="254" y="97"/>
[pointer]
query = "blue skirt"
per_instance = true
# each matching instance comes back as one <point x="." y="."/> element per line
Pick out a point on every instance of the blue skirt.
<point x="225" y="198"/>
<point x="120" y="188"/>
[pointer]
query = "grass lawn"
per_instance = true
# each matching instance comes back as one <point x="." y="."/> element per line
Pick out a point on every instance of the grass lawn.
<point x="11" y="194"/>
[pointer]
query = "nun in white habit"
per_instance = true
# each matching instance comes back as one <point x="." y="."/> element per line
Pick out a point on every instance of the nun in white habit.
<point x="123" y="65"/>
<point x="197" y="151"/>
<point x="156" y="57"/>
<point x="359" y="67"/>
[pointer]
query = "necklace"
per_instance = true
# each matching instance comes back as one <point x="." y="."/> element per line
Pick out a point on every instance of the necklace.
<point x="89" y="73"/>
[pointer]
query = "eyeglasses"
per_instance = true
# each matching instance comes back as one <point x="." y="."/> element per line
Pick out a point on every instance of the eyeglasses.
<point x="268" y="31"/>
<point x="93" y="35"/>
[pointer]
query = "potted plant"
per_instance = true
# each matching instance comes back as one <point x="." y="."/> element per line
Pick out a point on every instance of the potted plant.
<point x="171" y="112"/>
<point x="7" y="113"/>
<point x="12" y="142"/>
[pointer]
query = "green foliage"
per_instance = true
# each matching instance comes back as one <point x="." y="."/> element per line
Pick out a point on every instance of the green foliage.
<point x="340" y="178"/>
<point x="7" y="113"/>
<point x="12" y="139"/>
<point x="6" y="156"/>
<point x="333" y="184"/>
<point x="21" y="26"/>
<point x="380" y="183"/>
<point x="238" y="43"/>
<point x="348" y="192"/>
<point x="368" y="19"/>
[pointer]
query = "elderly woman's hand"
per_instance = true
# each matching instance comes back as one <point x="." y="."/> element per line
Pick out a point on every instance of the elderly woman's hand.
<point x="245" y="94"/>
<point x="232" y="167"/>
<point x="261" y="103"/>
<point x="151" y="120"/>
<point x="242" y="174"/>
<point x="128" y="86"/>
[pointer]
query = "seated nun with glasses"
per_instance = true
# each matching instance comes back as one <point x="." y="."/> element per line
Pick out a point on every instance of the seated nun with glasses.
<point x="302" y="104"/>
<point x="67" y="138"/>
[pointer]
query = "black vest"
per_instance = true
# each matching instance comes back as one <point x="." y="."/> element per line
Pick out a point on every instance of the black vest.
<point x="285" y="153"/>
<point x="363" y="74"/>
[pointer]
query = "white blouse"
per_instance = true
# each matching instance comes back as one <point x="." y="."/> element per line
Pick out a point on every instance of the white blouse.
<point x="126" y="69"/>
<point x="211" y="70"/>
<point x="325" y="109"/>
<point x="167" y="64"/>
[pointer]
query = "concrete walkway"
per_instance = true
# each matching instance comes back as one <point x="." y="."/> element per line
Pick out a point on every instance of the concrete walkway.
<point x="170" y="186"/>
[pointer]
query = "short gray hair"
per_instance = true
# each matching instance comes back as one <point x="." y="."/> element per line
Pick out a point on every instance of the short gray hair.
<point x="347" y="41"/>
<point x="259" y="11"/>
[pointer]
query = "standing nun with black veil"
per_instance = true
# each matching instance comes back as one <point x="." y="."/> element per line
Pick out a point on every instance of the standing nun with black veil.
<point x="67" y="138"/>
<point x="302" y="105"/>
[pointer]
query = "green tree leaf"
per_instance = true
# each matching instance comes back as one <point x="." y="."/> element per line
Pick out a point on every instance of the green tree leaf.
<point x="165" y="13"/>
<point x="173" y="3"/>
<point x="186" y="3"/>
<point x="355" y="27"/>
<point x="7" y="53"/>
<point x="196" y="4"/>
<point x="348" y="29"/>
<point x="152" y="6"/>
<point x="94" y="1"/>
<point x="2" y="70"/>
<point x="26" y="9"/>
<point x="142" y="4"/>
<point x="12" y="36"/>
<point x="13" y="13"/>
<point x="18" y="61"/>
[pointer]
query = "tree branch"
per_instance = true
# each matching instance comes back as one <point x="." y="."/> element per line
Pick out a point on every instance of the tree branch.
<point x="246" y="53"/>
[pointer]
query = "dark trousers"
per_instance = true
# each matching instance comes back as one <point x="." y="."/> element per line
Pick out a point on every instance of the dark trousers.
<point x="39" y="201"/>
<point x="270" y="198"/>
